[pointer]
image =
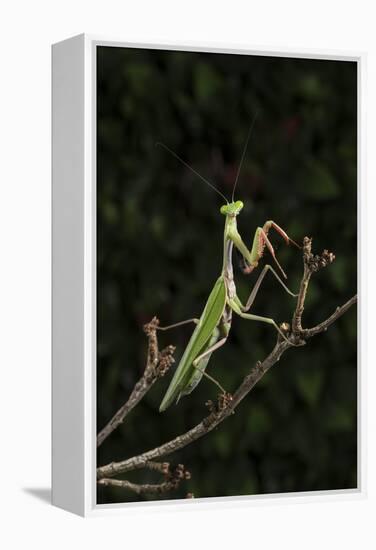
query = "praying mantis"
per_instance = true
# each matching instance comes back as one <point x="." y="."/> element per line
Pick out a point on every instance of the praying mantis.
<point x="213" y="327"/>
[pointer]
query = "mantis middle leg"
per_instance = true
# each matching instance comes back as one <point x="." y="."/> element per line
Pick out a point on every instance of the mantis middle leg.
<point x="168" y="327"/>
<point x="239" y="308"/>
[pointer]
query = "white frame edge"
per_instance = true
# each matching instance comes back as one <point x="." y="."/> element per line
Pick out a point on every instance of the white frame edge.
<point x="74" y="280"/>
<point x="68" y="383"/>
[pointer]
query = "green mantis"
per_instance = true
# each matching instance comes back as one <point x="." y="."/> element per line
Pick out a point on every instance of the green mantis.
<point x="213" y="327"/>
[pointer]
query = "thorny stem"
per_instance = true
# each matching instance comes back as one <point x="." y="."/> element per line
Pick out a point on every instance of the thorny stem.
<point x="227" y="404"/>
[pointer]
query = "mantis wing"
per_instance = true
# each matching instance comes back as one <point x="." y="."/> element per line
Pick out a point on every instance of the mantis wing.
<point x="208" y="321"/>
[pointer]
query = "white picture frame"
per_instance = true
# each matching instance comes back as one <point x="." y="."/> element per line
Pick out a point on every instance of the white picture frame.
<point x="74" y="278"/>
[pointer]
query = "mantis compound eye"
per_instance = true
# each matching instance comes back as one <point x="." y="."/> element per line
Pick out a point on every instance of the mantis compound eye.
<point x="232" y="209"/>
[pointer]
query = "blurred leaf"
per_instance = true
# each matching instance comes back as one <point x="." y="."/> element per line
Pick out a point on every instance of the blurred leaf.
<point x="206" y="82"/>
<point x="318" y="182"/>
<point x="259" y="419"/>
<point x="139" y="75"/>
<point x="222" y="444"/>
<point x="250" y="485"/>
<point x="311" y="87"/>
<point x="340" y="419"/>
<point x="338" y="273"/>
<point x="110" y="212"/>
<point x="310" y="384"/>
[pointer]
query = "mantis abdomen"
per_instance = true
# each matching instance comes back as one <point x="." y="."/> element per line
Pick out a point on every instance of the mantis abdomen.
<point x="207" y="329"/>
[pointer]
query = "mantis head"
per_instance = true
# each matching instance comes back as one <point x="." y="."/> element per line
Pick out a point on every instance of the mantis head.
<point x="231" y="209"/>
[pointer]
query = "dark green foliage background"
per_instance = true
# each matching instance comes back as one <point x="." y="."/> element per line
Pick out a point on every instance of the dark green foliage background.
<point x="159" y="251"/>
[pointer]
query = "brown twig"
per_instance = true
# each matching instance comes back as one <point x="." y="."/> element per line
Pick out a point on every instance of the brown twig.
<point x="162" y="467"/>
<point x="321" y="327"/>
<point x="146" y="488"/>
<point x="227" y="404"/>
<point x="157" y="364"/>
<point x="171" y="481"/>
<point x="139" y="489"/>
<point x="312" y="263"/>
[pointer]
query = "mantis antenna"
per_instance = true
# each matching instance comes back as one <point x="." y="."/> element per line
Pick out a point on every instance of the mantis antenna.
<point x="243" y="155"/>
<point x="191" y="169"/>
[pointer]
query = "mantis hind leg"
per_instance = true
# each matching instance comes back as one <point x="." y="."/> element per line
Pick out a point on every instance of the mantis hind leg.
<point x="199" y="364"/>
<point x="257" y="285"/>
<point x="210" y="378"/>
<point x="209" y="351"/>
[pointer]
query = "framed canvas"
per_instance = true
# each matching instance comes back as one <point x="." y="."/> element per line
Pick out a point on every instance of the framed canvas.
<point x="213" y="193"/>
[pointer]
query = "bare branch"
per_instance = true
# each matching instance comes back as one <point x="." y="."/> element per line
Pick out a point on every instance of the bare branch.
<point x="157" y="364"/>
<point x="171" y="481"/>
<point x="311" y="265"/>
<point x="146" y="488"/>
<point x="309" y="332"/>
<point x="162" y="467"/>
<point x="217" y="414"/>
